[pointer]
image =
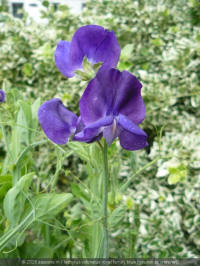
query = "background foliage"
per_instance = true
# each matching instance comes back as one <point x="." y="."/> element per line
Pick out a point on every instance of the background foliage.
<point x="50" y="196"/>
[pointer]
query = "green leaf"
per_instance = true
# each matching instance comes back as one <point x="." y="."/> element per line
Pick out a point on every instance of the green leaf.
<point x="127" y="51"/>
<point x="45" y="51"/>
<point x="83" y="75"/>
<point x="26" y="107"/>
<point x="79" y="192"/>
<point x="81" y="149"/>
<point x="86" y="65"/>
<point x="157" y="42"/>
<point x="129" y="203"/>
<point x="195" y="101"/>
<point x="63" y="8"/>
<point x="17" y="132"/>
<point x="34" y="109"/>
<point x="49" y="205"/>
<point x="97" y="66"/>
<point x="66" y="97"/>
<point x="5" y="184"/>
<point x="116" y="217"/>
<point x="27" y="70"/>
<point x="23" y="123"/>
<point x="124" y="65"/>
<point x="25" y="151"/>
<point x="15" y="199"/>
<point x="14" y="233"/>
<point x="37" y="250"/>
<point x="20" y="132"/>
<point x="177" y="174"/>
<point x="95" y="155"/>
<point x="45" y="3"/>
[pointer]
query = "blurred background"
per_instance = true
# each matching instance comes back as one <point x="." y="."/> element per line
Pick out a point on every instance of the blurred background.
<point x="158" y="215"/>
<point x="34" y="8"/>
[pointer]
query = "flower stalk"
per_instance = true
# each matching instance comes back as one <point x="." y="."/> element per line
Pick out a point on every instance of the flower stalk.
<point x="105" y="201"/>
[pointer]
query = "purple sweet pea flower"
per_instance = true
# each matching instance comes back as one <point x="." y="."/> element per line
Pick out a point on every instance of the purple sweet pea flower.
<point x="2" y="96"/>
<point x="57" y="122"/>
<point x="112" y="105"/>
<point x="92" y="41"/>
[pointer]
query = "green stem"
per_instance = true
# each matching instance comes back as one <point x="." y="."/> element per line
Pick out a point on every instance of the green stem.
<point x="17" y="167"/>
<point x="127" y="184"/>
<point x="105" y="201"/>
<point x="8" y="235"/>
<point x="47" y="234"/>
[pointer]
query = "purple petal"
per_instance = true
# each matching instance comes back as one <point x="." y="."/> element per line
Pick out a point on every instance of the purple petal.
<point x="112" y="91"/>
<point x="62" y="58"/>
<point x="98" y="97"/>
<point x="128" y="99"/>
<point x="80" y="126"/>
<point x="90" y="132"/>
<point x="108" y="51"/>
<point x="128" y="125"/>
<point x="57" y="122"/>
<point x="111" y="132"/>
<point x="132" y="142"/>
<point x="85" y="42"/>
<point x="2" y="96"/>
<point x="131" y="136"/>
<point x="95" y="42"/>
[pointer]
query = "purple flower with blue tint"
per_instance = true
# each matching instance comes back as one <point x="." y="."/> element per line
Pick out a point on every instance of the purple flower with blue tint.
<point x="111" y="106"/>
<point x="57" y="122"/>
<point x="2" y="96"/>
<point x="92" y="41"/>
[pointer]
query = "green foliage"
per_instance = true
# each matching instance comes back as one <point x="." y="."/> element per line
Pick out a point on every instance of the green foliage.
<point x="5" y="184"/>
<point x="49" y="205"/>
<point x="15" y="199"/>
<point x="50" y="196"/>
<point x="177" y="174"/>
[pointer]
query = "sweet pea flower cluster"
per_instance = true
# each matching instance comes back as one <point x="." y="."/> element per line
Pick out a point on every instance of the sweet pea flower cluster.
<point x="111" y="105"/>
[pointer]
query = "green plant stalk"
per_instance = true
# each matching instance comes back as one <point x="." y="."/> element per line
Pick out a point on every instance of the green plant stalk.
<point x="105" y="201"/>
<point x="127" y="184"/>
<point x="17" y="167"/>
<point x="9" y="153"/>
<point x="7" y="236"/>
<point x="134" y="231"/>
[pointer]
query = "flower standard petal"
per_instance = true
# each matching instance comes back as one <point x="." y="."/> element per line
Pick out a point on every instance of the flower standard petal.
<point x="92" y="41"/>
<point x="62" y="59"/>
<point x="97" y="99"/>
<point x="128" y="99"/>
<point x="108" y="51"/>
<point x="57" y="122"/>
<point x="92" y="104"/>
<point x="97" y="43"/>
<point x="112" y="91"/>
<point x="85" y="42"/>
